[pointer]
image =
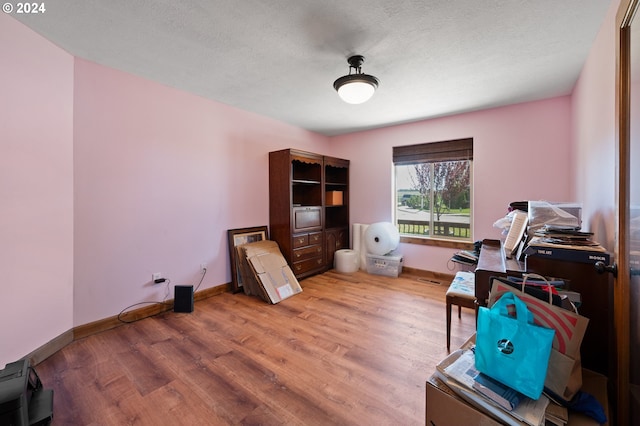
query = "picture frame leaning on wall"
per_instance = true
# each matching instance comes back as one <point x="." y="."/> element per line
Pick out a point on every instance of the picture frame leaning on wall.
<point x="238" y="237"/>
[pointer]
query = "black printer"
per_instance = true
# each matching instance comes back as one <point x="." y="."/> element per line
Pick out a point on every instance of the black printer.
<point x="23" y="401"/>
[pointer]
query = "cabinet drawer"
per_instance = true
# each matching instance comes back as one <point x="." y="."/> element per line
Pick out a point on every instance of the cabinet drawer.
<point x="300" y="240"/>
<point x="315" y="238"/>
<point x="307" y="265"/>
<point x="307" y="253"/>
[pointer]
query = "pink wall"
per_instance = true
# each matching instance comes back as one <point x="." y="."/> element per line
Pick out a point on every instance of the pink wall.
<point x="634" y="157"/>
<point x="160" y="176"/>
<point x="107" y="178"/>
<point x="36" y="190"/>
<point x="521" y="152"/>
<point x="594" y="130"/>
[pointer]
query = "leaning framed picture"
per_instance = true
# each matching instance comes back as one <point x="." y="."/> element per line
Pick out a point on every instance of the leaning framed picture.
<point x="238" y="237"/>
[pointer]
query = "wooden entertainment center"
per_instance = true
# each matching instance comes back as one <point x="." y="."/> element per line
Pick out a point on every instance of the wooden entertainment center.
<point x="308" y="208"/>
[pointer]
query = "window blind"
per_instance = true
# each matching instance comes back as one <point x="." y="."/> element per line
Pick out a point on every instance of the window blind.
<point x="453" y="150"/>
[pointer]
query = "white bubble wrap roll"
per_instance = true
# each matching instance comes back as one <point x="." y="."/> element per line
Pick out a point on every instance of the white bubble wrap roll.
<point x="358" y="243"/>
<point x="380" y="238"/>
<point x="347" y="261"/>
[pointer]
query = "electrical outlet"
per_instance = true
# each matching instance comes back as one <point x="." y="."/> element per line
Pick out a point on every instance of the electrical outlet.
<point x="156" y="276"/>
<point x="203" y="266"/>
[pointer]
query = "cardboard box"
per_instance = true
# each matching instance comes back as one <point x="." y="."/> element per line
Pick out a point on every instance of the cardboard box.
<point x="272" y="280"/>
<point x="333" y="198"/>
<point x="389" y="265"/>
<point x="594" y="384"/>
<point x="445" y="408"/>
<point x="250" y="283"/>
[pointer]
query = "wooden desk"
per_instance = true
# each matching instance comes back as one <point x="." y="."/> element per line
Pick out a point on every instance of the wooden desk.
<point x="493" y="263"/>
<point x="598" y="345"/>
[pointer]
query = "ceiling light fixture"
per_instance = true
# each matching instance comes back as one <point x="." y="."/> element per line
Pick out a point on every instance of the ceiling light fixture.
<point x="356" y="88"/>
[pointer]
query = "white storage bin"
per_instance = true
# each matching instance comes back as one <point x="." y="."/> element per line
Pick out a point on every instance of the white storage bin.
<point x="389" y="265"/>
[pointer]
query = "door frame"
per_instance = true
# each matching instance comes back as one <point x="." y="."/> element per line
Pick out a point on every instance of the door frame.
<point x="624" y="18"/>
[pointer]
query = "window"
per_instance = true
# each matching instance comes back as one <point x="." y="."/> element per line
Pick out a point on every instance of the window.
<point x="433" y="188"/>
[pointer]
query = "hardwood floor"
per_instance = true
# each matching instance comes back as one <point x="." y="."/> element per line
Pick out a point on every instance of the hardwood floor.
<point x="348" y="350"/>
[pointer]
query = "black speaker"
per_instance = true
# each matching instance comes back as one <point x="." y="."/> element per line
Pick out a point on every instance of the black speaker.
<point x="183" y="299"/>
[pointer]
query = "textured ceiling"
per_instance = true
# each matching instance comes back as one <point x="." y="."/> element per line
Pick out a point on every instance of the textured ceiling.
<point x="279" y="58"/>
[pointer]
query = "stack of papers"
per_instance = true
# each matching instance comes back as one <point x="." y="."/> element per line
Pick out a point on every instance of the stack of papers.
<point x="565" y="235"/>
<point x="466" y="257"/>
<point x="458" y="372"/>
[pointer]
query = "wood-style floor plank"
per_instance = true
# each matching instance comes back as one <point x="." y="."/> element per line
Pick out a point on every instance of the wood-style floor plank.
<point x="349" y="350"/>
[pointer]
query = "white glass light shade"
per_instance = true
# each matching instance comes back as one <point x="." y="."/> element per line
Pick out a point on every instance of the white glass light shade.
<point x="356" y="87"/>
<point x="356" y="92"/>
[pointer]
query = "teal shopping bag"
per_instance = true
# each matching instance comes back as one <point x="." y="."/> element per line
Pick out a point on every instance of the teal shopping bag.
<point x="513" y="350"/>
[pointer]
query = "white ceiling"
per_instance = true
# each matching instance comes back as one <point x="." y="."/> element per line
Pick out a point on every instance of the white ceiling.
<point x="279" y="58"/>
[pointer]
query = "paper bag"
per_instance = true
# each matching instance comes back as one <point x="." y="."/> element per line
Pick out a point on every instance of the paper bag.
<point x="564" y="375"/>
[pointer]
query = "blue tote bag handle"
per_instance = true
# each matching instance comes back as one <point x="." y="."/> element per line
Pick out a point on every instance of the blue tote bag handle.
<point x="513" y="351"/>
